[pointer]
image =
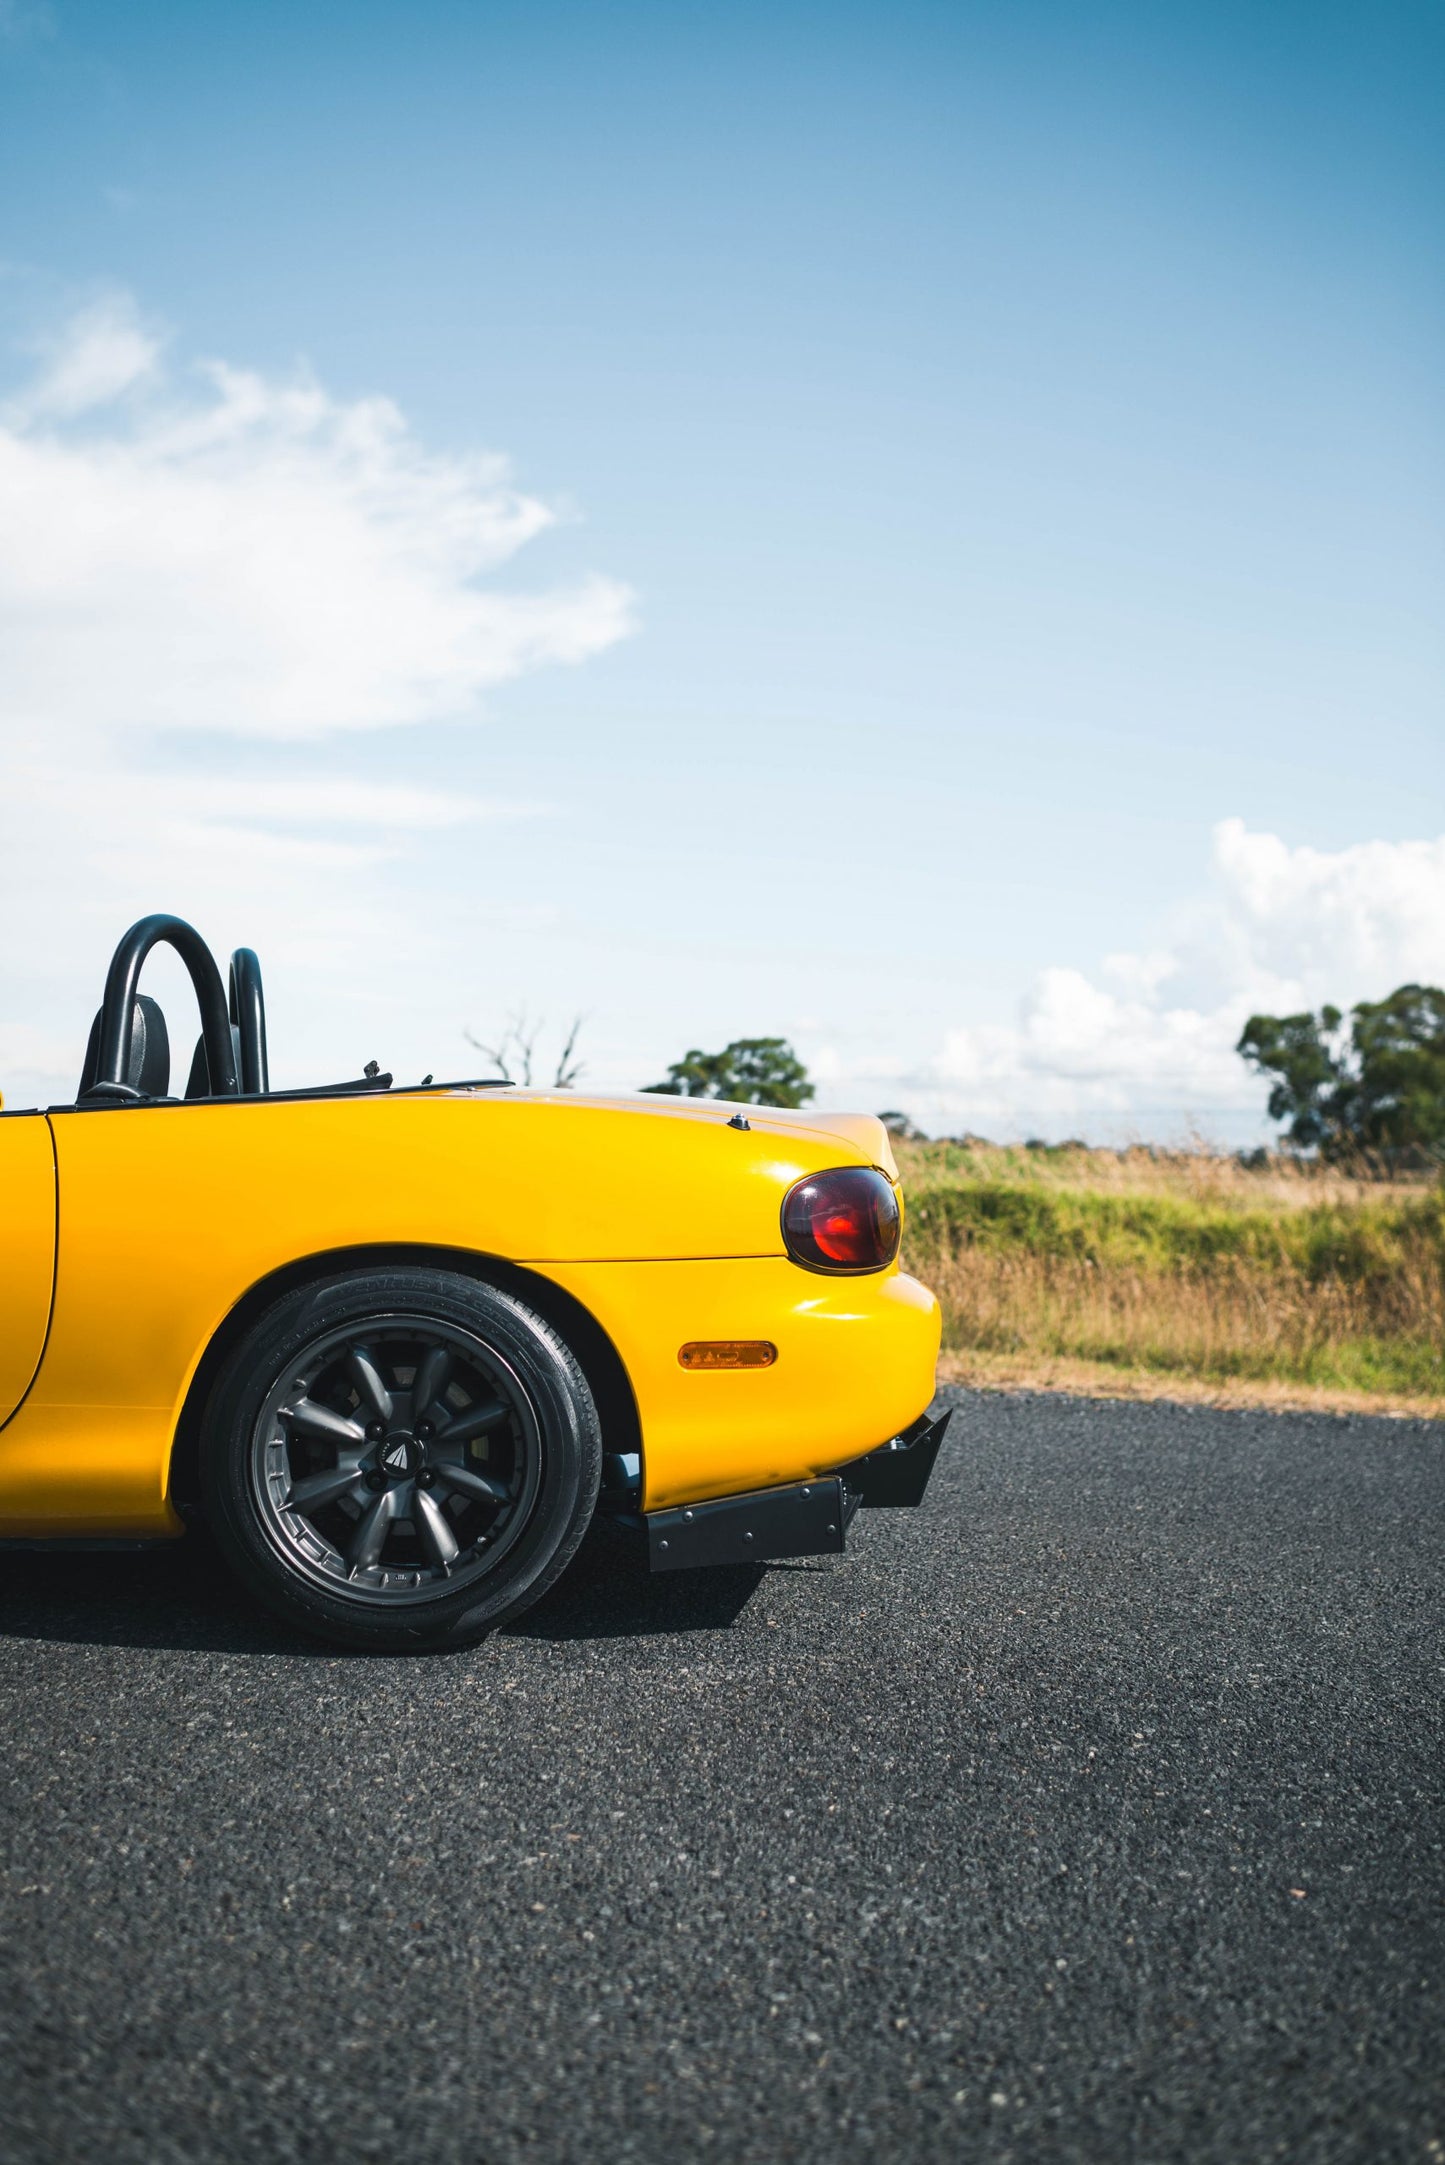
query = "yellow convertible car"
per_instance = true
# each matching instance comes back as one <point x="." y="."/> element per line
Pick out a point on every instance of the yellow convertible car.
<point x="395" y="1347"/>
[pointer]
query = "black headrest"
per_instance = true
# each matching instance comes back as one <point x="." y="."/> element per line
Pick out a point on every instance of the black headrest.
<point x="198" y="1082"/>
<point x="150" y="1052"/>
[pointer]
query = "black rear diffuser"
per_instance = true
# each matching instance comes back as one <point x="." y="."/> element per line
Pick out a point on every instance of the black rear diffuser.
<point x="807" y="1518"/>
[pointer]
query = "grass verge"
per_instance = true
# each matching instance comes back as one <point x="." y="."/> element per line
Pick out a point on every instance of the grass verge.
<point x="1104" y="1379"/>
<point x="1181" y="1274"/>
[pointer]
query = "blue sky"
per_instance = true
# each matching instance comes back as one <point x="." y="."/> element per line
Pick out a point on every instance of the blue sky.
<point x="1019" y="430"/>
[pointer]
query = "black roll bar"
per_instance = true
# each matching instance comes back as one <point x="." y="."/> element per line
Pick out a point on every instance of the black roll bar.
<point x="117" y="1013"/>
<point x="248" y="1013"/>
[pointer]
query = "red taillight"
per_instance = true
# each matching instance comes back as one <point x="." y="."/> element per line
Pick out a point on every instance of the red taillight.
<point x="846" y="1220"/>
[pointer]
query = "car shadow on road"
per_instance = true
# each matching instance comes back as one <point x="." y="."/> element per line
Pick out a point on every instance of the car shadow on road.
<point x="179" y="1597"/>
<point x="609" y="1593"/>
<point x="182" y="1598"/>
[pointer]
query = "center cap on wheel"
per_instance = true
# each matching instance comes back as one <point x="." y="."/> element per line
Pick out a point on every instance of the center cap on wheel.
<point x="396" y="1455"/>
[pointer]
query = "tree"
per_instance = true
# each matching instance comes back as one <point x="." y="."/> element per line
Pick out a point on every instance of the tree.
<point x="1399" y="1046"/>
<point x="515" y="1050"/>
<point x="750" y="1071"/>
<point x="1302" y="1054"/>
<point x="902" y="1128"/>
<point x="1378" y="1086"/>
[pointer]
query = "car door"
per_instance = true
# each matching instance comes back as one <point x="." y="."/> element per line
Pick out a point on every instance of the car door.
<point x="27" y="1250"/>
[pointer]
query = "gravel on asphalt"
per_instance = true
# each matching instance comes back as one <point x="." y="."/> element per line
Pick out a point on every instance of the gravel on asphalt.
<point x="1092" y="1811"/>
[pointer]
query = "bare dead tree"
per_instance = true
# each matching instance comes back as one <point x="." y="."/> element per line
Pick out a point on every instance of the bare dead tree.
<point x="514" y="1053"/>
<point x="568" y="1066"/>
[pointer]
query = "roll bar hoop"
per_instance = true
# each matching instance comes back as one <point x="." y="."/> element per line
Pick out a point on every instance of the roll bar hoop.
<point x="117" y="1014"/>
<point x="248" y="1013"/>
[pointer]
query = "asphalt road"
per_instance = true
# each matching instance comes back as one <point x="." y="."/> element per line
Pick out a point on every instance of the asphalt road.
<point x="1091" y="1812"/>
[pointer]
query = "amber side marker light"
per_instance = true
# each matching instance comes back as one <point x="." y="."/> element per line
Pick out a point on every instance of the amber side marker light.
<point x="727" y="1353"/>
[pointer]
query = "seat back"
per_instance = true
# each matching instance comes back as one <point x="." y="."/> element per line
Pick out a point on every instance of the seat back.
<point x="150" y="1052"/>
<point x="198" y="1082"/>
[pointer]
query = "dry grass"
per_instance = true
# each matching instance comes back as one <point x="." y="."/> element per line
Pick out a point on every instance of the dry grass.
<point x="1102" y="1379"/>
<point x="1182" y="1272"/>
<point x="1196" y="1174"/>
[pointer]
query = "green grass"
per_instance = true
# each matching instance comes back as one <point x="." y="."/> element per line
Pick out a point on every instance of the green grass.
<point x="1183" y="1264"/>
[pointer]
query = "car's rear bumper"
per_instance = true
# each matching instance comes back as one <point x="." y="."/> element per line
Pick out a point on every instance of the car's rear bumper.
<point x="855" y="1361"/>
<point x="804" y="1518"/>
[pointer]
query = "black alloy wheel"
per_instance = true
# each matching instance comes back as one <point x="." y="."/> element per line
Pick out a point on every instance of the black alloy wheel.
<point x="400" y="1459"/>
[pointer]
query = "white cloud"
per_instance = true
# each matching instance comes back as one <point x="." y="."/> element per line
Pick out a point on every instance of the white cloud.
<point x="256" y="557"/>
<point x="193" y="562"/>
<point x="104" y="352"/>
<point x="1147" y="1046"/>
<point x="1354" y="922"/>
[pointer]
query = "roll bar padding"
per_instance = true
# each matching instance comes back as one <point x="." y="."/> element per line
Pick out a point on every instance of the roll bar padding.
<point x="117" y="1014"/>
<point x="248" y="1013"/>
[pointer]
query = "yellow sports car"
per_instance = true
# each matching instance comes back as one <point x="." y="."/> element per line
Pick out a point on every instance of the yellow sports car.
<point x="396" y="1346"/>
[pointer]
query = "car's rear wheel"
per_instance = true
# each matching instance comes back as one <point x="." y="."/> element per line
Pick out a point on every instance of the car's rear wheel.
<point x="400" y="1459"/>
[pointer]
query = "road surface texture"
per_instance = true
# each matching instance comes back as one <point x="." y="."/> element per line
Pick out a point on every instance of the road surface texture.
<point x="1091" y="1812"/>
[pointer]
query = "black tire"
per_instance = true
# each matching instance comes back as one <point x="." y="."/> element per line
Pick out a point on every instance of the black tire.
<point x="350" y="1510"/>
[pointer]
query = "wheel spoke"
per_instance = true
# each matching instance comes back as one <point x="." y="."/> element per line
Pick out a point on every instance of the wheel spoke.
<point x="366" y="1377"/>
<point x="474" y="1421"/>
<point x="320" y="1489"/>
<point x="436" y="1533"/>
<point x="314" y="1420"/>
<point x="395" y="1458"/>
<point x="372" y="1529"/>
<point x="479" y="1486"/>
<point x="433" y="1374"/>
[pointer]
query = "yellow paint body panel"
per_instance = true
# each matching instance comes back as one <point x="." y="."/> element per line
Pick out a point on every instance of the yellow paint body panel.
<point x="658" y="1217"/>
<point x="27" y="1251"/>
<point x="855" y="1365"/>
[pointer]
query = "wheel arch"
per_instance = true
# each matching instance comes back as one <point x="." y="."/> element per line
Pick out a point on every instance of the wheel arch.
<point x="596" y="1355"/>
